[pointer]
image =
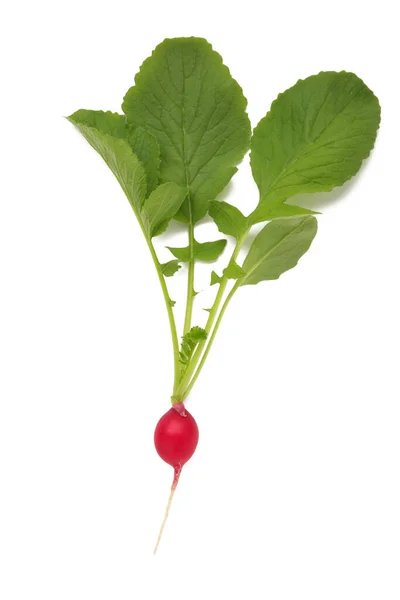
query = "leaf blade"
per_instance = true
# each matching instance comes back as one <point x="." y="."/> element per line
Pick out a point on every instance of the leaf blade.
<point x="161" y="206"/>
<point x="169" y="268"/>
<point x="205" y="251"/>
<point x="108" y="122"/>
<point x="313" y="139"/>
<point x="278" y="248"/>
<point x="234" y="271"/>
<point x="228" y="219"/>
<point x="100" y="130"/>
<point x="185" y="96"/>
<point x="189" y="342"/>
<point x="146" y="148"/>
<point x="215" y="278"/>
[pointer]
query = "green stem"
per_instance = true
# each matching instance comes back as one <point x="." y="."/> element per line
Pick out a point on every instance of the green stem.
<point x="210" y="341"/>
<point x="210" y="321"/>
<point x="190" y="286"/>
<point x="171" y="318"/>
<point x="167" y="299"/>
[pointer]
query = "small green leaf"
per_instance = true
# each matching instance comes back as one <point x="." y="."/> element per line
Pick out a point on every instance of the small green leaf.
<point x="215" y="279"/>
<point x="146" y="148"/>
<point x="172" y="303"/>
<point x="314" y="138"/>
<point x="197" y="334"/>
<point x="185" y="96"/>
<point x="160" y="207"/>
<point x="206" y="252"/>
<point x="228" y="218"/>
<point x="100" y="129"/>
<point x="189" y="343"/>
<point x="169" y="268"/>
<point x="233" y="271"/>
<point x="278" y="248"/>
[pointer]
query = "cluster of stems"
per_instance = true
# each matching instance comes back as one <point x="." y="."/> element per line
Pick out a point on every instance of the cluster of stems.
<point x="185" y="376"/>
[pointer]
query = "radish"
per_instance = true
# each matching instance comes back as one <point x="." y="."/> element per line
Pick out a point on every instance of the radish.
<point x="183" y="130"/>
<point x="175" y="438"/>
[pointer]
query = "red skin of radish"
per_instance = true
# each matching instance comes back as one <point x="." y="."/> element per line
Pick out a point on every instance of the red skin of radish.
<point x="176" y="437"/>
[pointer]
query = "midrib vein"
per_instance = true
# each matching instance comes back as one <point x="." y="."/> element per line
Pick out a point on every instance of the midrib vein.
<point x="184" y="147"/>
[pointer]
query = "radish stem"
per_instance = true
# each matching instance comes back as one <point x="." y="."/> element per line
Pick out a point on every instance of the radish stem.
<point x="171" y="318"/>
<point x="210" y="341"/>
<point x="182" y="390"/>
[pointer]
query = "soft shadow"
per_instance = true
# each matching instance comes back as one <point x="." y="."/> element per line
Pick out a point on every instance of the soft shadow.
<point x="323" y="200"/>
<point x="318" y="202"/>
<point x="173" y="228"/>
<point x="250" y="237"/>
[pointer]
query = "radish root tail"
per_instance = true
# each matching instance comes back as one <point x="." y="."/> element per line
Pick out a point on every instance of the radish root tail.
<point x="177" y="472"/>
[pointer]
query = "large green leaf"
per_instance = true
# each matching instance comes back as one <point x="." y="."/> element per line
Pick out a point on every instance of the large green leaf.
<point x="278" y="248"/>
<point x="159" y="208"/>
<point x="187" y="99"/>
<point x="314" y="138"/>
<point x="100" y="129"/>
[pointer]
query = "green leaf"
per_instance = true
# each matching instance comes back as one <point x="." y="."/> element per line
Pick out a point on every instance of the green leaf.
<point x="185" y="96"/>
<point x="233" y="271"/>
<point x="278" y="248"/>
<point x="160" y="207"/>
<point x="189" y="343"/>
<point x="106" y="122"/>
<point x="197" y="334"/>
<point x="169" y="268"/>
<point x="100" y="129"/>
<point x="314" y="138"/>
<point x="228" y="219"/>
<point x="206" y="252"/>
<point x="146" y="148"/>
<point x="214" y="279"/>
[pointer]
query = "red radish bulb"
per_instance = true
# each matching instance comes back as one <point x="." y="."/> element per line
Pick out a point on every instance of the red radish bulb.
<point x="175" y="438"/>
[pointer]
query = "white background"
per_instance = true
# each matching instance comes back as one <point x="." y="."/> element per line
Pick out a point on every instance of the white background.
<point x="294" y="490"/>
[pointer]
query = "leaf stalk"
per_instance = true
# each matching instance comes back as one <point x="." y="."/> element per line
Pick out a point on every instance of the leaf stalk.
<point x="186" y="384"/>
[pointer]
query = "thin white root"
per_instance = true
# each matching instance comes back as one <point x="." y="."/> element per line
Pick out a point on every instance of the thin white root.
<point x="165" y="517"/>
